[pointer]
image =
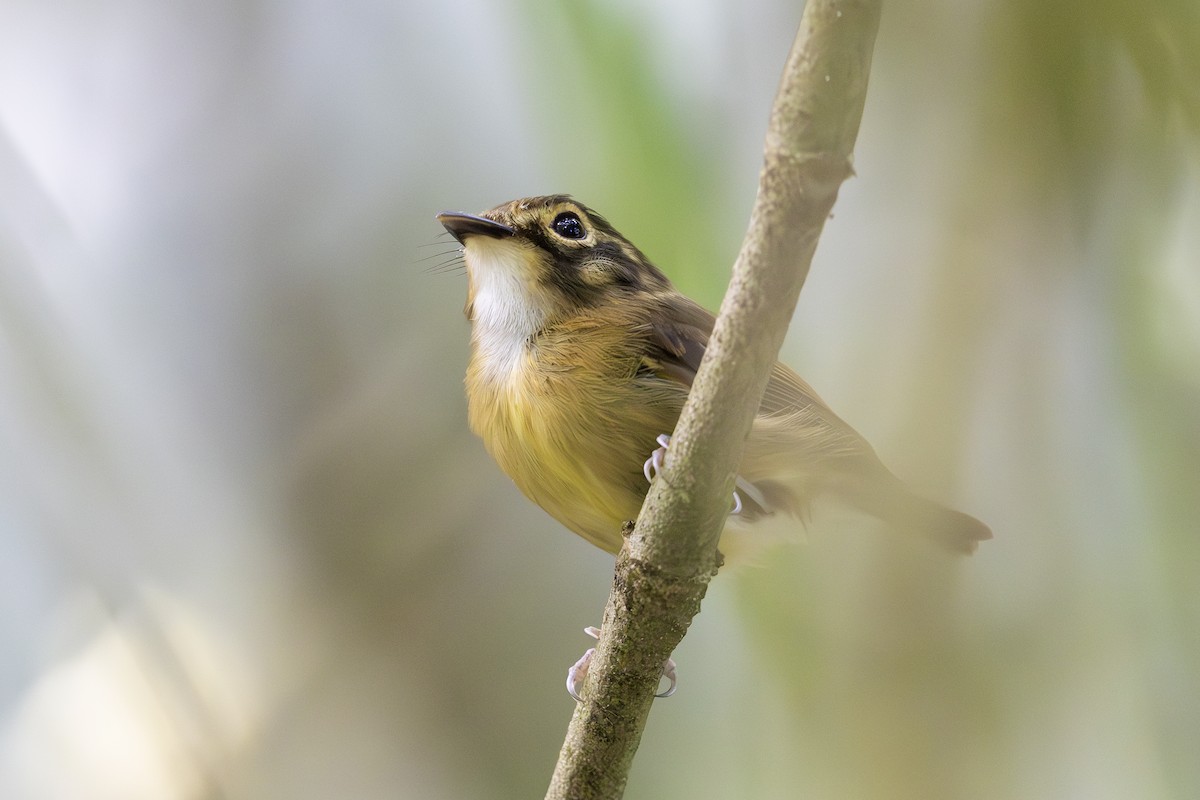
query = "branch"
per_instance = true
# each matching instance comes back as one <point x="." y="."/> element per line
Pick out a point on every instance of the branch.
<point x="664" y="567"/>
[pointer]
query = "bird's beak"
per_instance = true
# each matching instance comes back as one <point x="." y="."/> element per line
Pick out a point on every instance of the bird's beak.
<point x="461" y="226"/>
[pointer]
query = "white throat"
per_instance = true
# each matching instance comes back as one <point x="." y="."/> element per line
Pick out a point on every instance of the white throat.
<point x="504" y="314"/>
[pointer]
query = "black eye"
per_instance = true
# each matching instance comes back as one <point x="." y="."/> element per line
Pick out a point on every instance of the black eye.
<point x="568" y="226"/>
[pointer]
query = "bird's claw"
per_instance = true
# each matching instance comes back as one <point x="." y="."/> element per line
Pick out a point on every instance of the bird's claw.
<point x="653" y="465"/>
<point x="578" y="671"/>
<point x="668" y="673"/>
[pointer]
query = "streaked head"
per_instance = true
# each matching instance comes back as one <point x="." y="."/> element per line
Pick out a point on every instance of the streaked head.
<point x="536" y="258"/>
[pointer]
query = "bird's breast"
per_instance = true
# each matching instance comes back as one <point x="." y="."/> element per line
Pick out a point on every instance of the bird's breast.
<point x="563" y="418"/>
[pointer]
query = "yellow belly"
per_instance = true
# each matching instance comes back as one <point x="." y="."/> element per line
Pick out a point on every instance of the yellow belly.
<point x="573" y="440"/>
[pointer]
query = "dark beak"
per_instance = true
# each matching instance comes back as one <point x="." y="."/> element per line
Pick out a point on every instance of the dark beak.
<point x="463" y="225"/>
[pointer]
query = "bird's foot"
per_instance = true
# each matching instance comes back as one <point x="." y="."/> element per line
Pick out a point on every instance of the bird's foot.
<point x="578" y="671"/>
<point x="654" y="465"/>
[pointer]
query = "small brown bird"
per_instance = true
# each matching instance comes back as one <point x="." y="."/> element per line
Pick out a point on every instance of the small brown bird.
<point x="582" y="353"/>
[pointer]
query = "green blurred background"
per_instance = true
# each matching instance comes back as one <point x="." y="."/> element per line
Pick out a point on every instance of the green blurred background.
<point x="248" y="548"/>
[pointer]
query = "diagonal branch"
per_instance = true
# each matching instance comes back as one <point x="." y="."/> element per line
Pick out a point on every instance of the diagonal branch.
<point x="664" y="568"/>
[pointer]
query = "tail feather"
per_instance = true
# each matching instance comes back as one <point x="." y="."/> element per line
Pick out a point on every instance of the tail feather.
<point x="953" y="530"/>
<point x="892" y="502"/>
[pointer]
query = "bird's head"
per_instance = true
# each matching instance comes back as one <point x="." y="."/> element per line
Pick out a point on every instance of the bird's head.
<point x="539" y="258"/>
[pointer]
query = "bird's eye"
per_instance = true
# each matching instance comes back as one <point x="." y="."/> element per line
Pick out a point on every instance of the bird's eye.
<point x="568" y="226"/>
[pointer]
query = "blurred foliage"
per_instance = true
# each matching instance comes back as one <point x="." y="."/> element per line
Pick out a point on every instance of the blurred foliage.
<point x="617" y="129"/>
<point x="1108" y="82"/>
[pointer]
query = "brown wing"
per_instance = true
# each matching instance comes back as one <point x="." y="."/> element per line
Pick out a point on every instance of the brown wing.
<point x="798" y="445"/>
<point x="795" y="438"/>
<point x="678" y="338"/>
<point x="678" y="334"/>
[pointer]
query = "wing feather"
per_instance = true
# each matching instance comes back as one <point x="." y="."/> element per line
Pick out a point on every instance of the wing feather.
<point x="678" y="337"/>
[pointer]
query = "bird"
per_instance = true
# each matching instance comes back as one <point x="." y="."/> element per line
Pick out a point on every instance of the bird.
<point x="582" y="355"/>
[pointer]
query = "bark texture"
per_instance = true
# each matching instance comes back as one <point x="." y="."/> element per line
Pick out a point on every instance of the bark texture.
<point x="664" y="567"/>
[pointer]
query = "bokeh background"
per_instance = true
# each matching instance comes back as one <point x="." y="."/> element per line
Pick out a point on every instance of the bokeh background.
<point x="249" y="549"/>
